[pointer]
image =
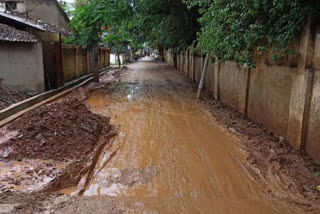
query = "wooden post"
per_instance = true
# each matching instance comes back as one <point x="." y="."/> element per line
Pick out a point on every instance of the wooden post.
<point x="203" y="75"/>
<point x="59" y="63"/>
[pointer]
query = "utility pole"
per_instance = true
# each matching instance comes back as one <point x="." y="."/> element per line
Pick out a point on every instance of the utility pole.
<point x="203" y="75"/>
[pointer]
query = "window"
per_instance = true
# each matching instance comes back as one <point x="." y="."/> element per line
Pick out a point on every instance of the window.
<point x="11" y="6"/>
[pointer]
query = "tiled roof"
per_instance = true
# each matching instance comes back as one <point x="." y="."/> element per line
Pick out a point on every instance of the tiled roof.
<point x="36" y="24"/>
<point x="11" y="34"/>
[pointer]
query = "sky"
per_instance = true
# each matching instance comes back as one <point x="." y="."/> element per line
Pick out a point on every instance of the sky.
<point x="69" y="1"/>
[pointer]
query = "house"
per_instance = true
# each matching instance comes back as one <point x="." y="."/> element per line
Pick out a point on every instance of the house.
<point x="47" y="11"/>
<point x="59" y="63"/>
<point x="48" y="44"/>
<point x="21" y="54"/>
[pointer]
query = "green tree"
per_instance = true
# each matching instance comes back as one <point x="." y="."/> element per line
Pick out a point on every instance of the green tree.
<point x="91" y="20"/>
<point x="164" y="23"/>
<point x="234" y="30"/>
<point x="117" y="37"/>
<point x="67" y="7"/>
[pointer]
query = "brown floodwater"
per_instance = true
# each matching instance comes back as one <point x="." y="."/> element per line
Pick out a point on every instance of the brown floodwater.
<point x="171" y="156"/>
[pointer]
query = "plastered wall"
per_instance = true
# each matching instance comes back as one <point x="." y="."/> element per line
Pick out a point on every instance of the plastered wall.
<point x="284" y="96"/>
<point x="21" y="65"/>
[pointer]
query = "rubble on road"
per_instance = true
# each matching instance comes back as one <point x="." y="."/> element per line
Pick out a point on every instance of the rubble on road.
<point x="48" y="149"/>
<point x="59" y="131"/>
<point x="10" y="96"/>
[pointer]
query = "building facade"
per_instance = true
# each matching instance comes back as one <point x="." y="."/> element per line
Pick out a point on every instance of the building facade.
<point x="47" y="11"/>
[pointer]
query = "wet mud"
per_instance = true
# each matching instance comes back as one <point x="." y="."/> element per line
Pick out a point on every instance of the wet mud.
<point x="49" y="148"/>
<point x="285" y="173"/>
<point x="199" y="163"/>
<point x="173" y="154"/>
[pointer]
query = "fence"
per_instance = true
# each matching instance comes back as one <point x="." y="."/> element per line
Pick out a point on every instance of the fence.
<point x="284" y="96"/>
<point x="72" y="64"/>
<point x="75" y="61"/>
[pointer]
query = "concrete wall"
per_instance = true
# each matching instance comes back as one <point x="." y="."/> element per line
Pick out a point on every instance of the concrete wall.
<point x="284" y="96"/>
<point x="21" y="65"/>
<point x="269" y="96"/>
<point x="82" y="61"/>
<point x="197" y="71"/>
<point x="313" y="130"/>
<point x="186" y="63"/>
<point x="69" y="71"/>
<point x="48" y="11"/>
<point x="113" y="59"/>
<point x="76" y="64"/>
<point x="35" y="66"/>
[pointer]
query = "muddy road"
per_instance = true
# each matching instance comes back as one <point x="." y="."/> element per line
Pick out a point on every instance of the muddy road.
<point x="170" y="155"/>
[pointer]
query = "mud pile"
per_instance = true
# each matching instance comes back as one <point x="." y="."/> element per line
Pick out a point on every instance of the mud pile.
<point x="10" y="96"/>
<point x="60" y="131"/>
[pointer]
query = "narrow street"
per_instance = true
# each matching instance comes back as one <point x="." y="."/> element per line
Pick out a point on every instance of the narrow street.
<point x="171" y="155"/>
<point x="156" y="107"/>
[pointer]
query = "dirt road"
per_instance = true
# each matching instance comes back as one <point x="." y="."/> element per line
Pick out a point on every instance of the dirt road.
<point x="150" y="148"/>
<point x="171" y="155"/>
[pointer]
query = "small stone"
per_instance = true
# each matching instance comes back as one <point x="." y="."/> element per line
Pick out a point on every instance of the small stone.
<point x="232" y="130"/>
<point x="7" y="208"/>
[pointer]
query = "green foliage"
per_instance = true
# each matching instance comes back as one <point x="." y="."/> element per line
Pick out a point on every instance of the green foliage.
<point x="160" y="23"/>
<point x="164" y="23"/>
<point x="116" y="37"/>
<point x="235" y="29"/>
<point x="91" y="20"/>
<point x="67" y="7"/>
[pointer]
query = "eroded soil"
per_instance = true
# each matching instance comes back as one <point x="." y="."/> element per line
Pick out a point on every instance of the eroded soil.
<point x="173" y="155"/>
<point x="47" y="149"/>
<point x="9" y="96"/>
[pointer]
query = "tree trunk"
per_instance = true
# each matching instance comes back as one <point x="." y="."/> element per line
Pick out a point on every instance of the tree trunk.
<point x="94" y="62"/>
<point x="119" y="61"/>
<point x="133" y="54"/>
<point x="203" y="75"/>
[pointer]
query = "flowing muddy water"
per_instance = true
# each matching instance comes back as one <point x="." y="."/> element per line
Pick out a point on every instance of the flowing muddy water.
<point x="171" y="156"/>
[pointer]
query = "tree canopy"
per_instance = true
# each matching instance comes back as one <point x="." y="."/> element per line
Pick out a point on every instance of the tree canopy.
<point x="159" y="23"/>
<point x="231" y="30"/>
<point x="234" y="30"/>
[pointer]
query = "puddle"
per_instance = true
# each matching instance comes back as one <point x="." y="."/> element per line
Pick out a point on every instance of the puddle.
<point x="171" y="156"/>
